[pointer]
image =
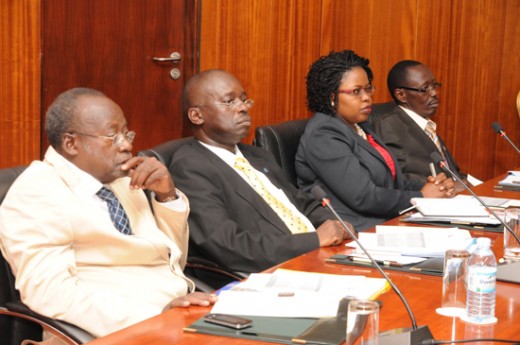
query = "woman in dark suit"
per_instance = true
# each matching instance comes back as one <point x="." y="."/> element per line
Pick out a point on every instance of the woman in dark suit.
<point x="340" y="153"/>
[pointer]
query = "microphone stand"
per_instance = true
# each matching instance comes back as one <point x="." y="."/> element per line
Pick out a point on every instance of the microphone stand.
<point x="509" y="272"/>
<point x="499" y="130"/>
<point x="404" y="336"/>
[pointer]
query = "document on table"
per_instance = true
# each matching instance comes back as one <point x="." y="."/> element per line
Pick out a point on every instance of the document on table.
<point x="413" y="241"/>
<point x="488" y="222"/>
<point x="510" y="182"/>
<point x="288" y="293"/>
<point x="473" y="180"/>
<point x="512" y="179"/>
<point x="456" y="207"/>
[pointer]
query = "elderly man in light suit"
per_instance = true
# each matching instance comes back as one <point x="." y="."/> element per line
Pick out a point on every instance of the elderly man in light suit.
<point x="79" y="258"/>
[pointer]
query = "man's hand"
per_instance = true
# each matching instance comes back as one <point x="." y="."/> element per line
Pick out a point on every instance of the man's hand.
<point x="149" y="173"/>
<point x="331" y="233"/>
<point x="194" y="298"/>
<point x="439" y="187"/>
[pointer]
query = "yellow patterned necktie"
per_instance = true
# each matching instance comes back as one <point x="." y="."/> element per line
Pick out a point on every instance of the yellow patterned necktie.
<point x="291" y="220"/>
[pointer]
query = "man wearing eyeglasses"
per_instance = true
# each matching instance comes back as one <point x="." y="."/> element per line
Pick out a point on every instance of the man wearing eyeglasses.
<point x="245" y="214"/>
<point x="79" y="233"/>
<point x="408" y="130"/>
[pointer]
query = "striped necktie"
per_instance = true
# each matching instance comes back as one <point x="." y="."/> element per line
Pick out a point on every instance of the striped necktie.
<point x="116" y="210"/>
<point x="291" y="220"/>
<point x="430" y="130"/>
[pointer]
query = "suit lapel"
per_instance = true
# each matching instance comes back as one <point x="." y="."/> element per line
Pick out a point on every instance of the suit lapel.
<point x="367" y="146"/>
<point x="242" y="189"/>
<point x="417" y="132"/>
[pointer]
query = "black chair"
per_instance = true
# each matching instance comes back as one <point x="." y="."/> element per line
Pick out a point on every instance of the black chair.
<point x="379" y="109"/>
<point x="207" y="275"/>
<point x="17" y="321"/>
<point x="164" y="152"/>
<point x="282" y="141"/>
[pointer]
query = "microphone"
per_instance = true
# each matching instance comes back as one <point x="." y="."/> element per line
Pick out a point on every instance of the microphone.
<point x="499" y="130"/>
<point x="404" y="336"/>
<point x="509" y="272"/>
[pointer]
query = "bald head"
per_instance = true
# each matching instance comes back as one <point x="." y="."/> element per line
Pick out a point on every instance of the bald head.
<point x="217" y="107"/>
<point x="202" y="84"/>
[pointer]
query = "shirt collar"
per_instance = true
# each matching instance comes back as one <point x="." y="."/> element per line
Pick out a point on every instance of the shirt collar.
<point x="87" y="184"/>
<point x="224" y="154"/>
<point x="418" y="119"/>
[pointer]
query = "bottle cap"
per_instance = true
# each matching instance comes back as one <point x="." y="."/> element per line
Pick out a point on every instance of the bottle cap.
<point x="483" y="242"/>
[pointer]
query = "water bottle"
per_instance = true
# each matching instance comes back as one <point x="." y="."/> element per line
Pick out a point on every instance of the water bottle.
<point x="481" y="284"/>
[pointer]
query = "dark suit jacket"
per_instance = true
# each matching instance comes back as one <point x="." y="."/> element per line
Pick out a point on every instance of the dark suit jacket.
<point x="230" y="223"/>
<point x="410" y="145"/>
<point x="352" y="173"/>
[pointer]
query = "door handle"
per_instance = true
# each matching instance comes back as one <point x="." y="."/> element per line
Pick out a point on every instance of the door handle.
<point x="175" y="57"/>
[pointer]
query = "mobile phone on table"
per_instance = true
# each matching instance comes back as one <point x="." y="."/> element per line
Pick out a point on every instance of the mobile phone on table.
<point x="234" y="322"/>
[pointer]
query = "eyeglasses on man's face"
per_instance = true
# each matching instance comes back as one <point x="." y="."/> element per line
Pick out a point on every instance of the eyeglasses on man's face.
<point x="234" y="104"/>
<point x="428" y="88"/>
<point x="369" y="91"/>
<point x="117" y="139"/>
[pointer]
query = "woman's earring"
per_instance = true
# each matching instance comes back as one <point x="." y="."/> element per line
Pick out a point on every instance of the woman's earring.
<point x="332" y="103"/>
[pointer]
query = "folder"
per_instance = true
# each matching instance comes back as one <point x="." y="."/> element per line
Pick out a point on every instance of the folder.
<point x="326" y="331"/>
<point x="431" y="266"/>
<point x="468" y="224"/>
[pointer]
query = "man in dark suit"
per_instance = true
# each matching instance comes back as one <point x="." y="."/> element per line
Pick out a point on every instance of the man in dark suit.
<point x="231" y="223"/>
<point x="408" y="129"/>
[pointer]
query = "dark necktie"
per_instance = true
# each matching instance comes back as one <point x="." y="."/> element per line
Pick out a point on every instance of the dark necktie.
<point x="117" y="212"/>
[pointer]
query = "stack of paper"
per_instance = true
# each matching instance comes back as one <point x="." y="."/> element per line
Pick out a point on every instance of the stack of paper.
<point x="413" y="241"/>
<point x="456" y="207"/>
<point x="461" y="210"/>
<point x="511" y="181"/>
<point x="287" y="293"/>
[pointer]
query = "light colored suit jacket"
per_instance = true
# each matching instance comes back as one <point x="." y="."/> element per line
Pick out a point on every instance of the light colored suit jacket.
<point x="70" y="262"/>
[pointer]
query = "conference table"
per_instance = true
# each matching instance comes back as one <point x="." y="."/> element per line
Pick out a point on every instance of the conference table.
<point x="422" y="292"/>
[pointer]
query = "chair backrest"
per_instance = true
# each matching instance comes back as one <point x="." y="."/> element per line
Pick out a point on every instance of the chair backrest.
<point x="164" y="152"/>
<point x="7" y="177"/>
<point x="379" y="109"/>
<point x="7" y="289"/>
<point x="12" y="330"/>
<point x="282" y="141"/>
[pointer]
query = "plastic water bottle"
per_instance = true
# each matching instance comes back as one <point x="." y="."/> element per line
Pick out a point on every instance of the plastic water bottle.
<point x="481" y="284"/>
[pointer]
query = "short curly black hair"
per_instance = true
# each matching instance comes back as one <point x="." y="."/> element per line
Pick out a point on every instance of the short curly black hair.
<point x="398" y="76"/>
<point x="324" y="78"/>
<point x="62" y="113"/>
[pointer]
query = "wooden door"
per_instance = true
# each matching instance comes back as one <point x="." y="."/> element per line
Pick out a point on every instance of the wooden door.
<point x="109" y="45"/>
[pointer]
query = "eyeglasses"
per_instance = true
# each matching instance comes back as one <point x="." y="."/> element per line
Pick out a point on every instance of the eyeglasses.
<point x="117" y="139"/>
<point x="429" y="88"/>
<point x="369" y="91"/>
<point x="234" y="104"/>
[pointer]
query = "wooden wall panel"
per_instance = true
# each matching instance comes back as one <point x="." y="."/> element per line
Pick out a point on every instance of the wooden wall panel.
<point x="373" y="29"/>
<point x="268" y="45"/>
<point x="473" y="48"/>
<point x="509" y="86"/>
<point x="470" y="101"/>
<point x="19" y="82"/>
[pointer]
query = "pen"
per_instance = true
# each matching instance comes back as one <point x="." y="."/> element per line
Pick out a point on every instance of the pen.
<point x="407" y="209"/>
<point x="368" y="261"/>
<point x="432" y="170"/>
